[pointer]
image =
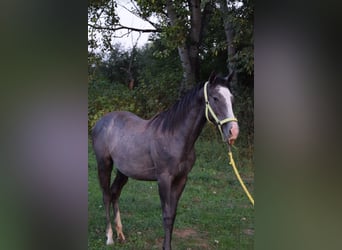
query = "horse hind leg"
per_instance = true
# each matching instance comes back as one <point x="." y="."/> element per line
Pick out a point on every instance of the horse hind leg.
<point x="105" y="166"/>
<point x="119" y="182"/>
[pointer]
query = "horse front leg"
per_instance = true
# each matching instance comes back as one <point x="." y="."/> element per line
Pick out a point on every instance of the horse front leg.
<point x="164" y="185"/>
<point x="169" y="192"/>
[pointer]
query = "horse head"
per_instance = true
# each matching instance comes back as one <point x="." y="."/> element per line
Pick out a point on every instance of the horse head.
<point x="219" y="106"/>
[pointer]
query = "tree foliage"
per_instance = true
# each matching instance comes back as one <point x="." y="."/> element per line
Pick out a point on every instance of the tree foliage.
<point x="156" y="83"/>
<point x="193" y="27"/>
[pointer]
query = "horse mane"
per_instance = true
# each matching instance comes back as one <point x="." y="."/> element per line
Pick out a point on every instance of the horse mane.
<point x="170" y="118"/>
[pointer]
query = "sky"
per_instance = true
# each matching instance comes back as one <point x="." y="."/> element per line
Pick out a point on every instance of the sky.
<point x="128" y="19"/>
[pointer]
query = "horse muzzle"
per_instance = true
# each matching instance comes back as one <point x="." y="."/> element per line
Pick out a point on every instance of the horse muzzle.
<point x="231" y="132"/>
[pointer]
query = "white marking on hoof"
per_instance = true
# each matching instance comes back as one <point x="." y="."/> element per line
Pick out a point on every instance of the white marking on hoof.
<point x="110" y="241"/>
<point x="118" y="227"/>
<point x="110" y="237"/>
<point x="121" y="237"/>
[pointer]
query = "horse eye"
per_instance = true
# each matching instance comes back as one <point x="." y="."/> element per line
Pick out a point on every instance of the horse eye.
<point x="215" y="99"/>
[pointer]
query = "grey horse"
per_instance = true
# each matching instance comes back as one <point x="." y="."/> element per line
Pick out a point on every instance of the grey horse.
<point x="160" y="149"/>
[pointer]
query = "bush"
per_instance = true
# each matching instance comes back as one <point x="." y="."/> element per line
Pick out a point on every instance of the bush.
<point x="104" y="97"/>
<point x="145" y="100"/>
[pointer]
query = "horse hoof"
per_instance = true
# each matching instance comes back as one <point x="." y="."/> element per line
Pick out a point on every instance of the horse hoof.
<point x="121" y="238"/>
<point x="122" y="241"/>
<point x="110" y="242"/>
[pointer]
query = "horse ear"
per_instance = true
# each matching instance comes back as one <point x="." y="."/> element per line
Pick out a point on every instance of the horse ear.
<point x="229" y="77"/>
<point x="228" y="80"/>
<point x="212" y="76"/>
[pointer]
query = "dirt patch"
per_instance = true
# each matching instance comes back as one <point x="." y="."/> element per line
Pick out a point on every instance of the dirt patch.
<point x="248" y="232"/>
<point x="191" y="237"/>
<point x="196" y="199"/>
<point x="185" y="233"/>
<point x="188" y="235"/>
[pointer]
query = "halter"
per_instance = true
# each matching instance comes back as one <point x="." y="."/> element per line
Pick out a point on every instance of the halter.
<point x="208" y="108"/>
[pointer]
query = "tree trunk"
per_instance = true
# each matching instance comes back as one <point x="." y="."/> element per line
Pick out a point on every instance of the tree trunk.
<point x="189" y="50"/>
<point x="229" y="31"/>
<point x="188" y="73"/>
<point x="195" y="36"/>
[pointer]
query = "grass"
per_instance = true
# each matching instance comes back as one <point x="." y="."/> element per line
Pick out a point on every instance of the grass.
<point x="213" y="212"/>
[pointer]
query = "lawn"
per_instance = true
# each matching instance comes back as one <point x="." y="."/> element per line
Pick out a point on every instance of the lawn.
<point x="213" y="212"/>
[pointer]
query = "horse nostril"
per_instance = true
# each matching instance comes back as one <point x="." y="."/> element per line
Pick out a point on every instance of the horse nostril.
<point x="233" y="132"/>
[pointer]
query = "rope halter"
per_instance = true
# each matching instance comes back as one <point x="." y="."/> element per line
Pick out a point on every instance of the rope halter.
<point x="208" y="109"/>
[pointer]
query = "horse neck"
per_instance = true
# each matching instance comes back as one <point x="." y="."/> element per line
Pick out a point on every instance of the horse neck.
<point x="194" y="121"/>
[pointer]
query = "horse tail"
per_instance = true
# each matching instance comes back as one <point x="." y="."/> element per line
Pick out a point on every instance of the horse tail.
<point x="98" y="128"/>
<point x="95" y="131"/>
<point x="100" y="148"/>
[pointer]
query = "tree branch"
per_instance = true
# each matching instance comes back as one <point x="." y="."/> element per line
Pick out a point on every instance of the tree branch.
<point x="139" y="14"/>
<point x="121" y="27"/>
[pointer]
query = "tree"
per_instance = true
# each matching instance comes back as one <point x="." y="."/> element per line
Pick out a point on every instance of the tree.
<point x="229" y="32"/>
<point x="238" y="26"/>
<point x="183" y="25"/>
<point x="188" y="18"/>
<point x="103" y="22"/>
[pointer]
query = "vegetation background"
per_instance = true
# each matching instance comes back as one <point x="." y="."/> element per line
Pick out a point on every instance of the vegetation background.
<point x="190" y="39"/>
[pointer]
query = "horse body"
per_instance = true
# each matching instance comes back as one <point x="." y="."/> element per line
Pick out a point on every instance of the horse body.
<point x="126" y="134"/>
<point x="160" y="149"/>
<point x="121" y="142"/>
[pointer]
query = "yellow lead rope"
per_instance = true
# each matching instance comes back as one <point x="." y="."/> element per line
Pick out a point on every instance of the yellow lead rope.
<point x="238" y="176"/>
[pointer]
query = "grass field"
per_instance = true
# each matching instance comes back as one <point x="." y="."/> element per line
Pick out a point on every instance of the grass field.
<point x="213" y="212"/>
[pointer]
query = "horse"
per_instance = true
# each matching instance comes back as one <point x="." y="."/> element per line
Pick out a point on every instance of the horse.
<point x="159" y="149"/>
